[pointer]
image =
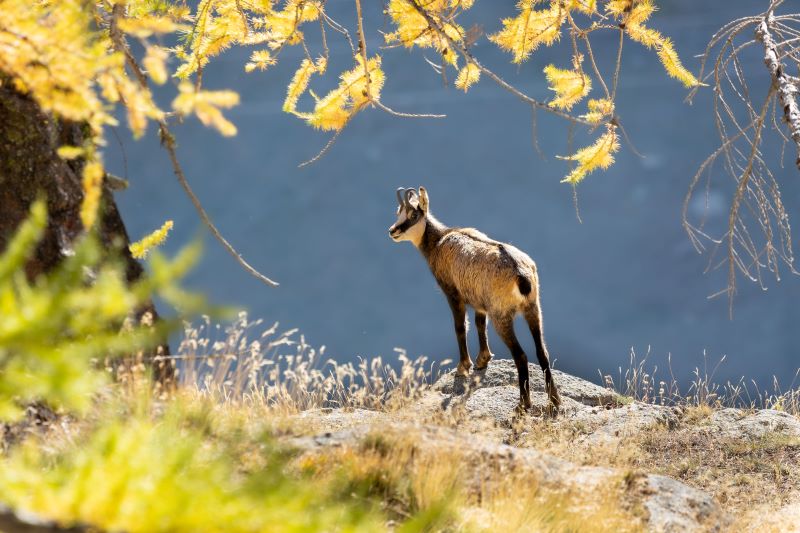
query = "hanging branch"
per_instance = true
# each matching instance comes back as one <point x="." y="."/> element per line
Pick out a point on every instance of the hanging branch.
<point x="168" y="142"/>
<point x="756" y="199"/>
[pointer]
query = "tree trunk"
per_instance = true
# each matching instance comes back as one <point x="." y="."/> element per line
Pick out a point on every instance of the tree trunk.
<point x="29" y="166"/>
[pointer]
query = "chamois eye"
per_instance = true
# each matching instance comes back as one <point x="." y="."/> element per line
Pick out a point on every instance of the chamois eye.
<point x="414" y="215"/>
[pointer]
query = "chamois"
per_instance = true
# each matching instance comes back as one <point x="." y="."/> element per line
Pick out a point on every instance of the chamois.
<point x="496" y="279"/>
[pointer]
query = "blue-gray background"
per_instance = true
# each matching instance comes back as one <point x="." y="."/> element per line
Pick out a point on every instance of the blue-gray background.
<point x="626" y="277"/>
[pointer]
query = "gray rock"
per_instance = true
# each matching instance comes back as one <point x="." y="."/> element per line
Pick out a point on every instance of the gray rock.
<point x="503" y="372"/>
<point x="673" y="506"/>
<point x="330" y="420"/>
<point x="605" y="426"/>
<point x="737" y="423"/>
<point x="500" y="403"/>
<point x="330" y="439"/>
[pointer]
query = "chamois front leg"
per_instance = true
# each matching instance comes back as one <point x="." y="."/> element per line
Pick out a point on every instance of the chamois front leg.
<point x="459" y="310"/>
<point x="485" y="355"/>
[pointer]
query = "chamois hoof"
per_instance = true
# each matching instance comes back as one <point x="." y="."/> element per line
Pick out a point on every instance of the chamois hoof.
<point x="483" y="360"/>
<point x="524" y="405"/>
<point x="553" y="396"/>
<point x="462" y="370"/>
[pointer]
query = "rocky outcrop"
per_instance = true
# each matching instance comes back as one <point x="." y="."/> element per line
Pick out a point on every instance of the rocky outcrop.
<point x="738" y="424"/>
<point x="502" y="372"/>
<point x="602" y="415"/>
<point x="673" y="506"/>
<point x="478" y="416"/>
<point x="669" y="505"/>
<point x="607" y="426"/>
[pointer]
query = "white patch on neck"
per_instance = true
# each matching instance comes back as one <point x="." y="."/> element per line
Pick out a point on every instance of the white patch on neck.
<point x="416" y="232"/>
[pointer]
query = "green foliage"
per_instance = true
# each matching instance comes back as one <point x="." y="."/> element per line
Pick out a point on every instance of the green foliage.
<point x="53" y="329"/>
<point x="134" y="463"/>
<point x="173" y="474"/>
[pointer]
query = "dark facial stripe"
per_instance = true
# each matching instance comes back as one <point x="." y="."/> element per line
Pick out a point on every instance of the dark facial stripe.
<point x="408" y="223"/>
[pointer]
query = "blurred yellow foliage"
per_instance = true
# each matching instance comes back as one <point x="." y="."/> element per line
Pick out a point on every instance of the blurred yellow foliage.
<point x="92" y="191"/>
<point x="54" y="328"/>
<point x="206" y="104"/>
<point x="173" y="472"/>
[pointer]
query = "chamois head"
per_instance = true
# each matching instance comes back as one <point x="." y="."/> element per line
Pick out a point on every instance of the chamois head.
<point x="412" y="212"/>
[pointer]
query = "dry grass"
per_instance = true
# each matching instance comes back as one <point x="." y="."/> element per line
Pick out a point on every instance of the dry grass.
<point x="408" y="477"/>
<point x="280" y="371"/>
<point x="644" y="384"/>
<point x="263" y="379"/>
<point x="740" y="473"/>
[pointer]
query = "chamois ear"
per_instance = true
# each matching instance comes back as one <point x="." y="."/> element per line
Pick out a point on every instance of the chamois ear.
<point x="423" y="199"/>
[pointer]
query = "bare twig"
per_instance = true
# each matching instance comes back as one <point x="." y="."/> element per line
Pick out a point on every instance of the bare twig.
<point x="323" y="151"/>
<point x="535" y="134"/>
<point x="168" y="141"/>
<point x="733" y="216"/>
<point x="383" y="107"/>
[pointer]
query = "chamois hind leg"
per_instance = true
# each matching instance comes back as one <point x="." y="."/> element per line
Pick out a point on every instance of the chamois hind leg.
<point x="505" y="328"/>
<point x="533" y="316"/>
<point x="459" y="310"/>
<point x="485" y="355"/>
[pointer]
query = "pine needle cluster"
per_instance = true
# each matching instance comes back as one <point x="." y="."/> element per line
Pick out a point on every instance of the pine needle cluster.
<point x="570" y="86"/>
<point x="598" y="155"/>
<point x="413" y="29"/>
<point x="357" y="88"/>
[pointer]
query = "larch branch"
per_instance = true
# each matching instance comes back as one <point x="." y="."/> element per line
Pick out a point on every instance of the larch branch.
<point x="497" y="79"/>
<point x="168" y="142"/>
<point x="362" y="48"/>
